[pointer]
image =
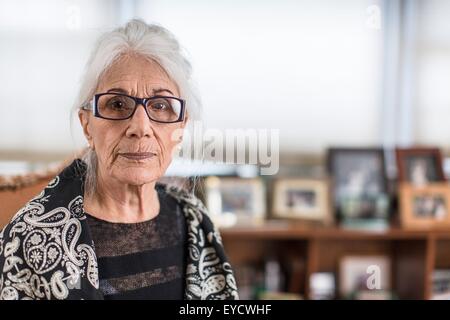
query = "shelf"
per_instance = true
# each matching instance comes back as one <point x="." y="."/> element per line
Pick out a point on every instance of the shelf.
<point x="415" y="254"/>
<point x="281" y="230"/>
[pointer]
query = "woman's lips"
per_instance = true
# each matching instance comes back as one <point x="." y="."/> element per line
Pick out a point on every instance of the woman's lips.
<point x="138" y="155"/>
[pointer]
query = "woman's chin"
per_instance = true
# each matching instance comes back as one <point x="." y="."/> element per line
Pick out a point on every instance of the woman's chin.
<point x="138" y="176"/>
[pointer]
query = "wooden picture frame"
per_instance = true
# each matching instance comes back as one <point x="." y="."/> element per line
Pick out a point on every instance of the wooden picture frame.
<point x="359" y="185"/>
<point x="233" y="200"/>
<point x="361" y="274"/>
<point x="424" y="208"/>
<point x="304" y="199"/>
<point x="419" y="166"/>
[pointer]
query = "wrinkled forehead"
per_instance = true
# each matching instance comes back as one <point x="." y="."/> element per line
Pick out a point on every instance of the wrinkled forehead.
<point x="136" y="75"/>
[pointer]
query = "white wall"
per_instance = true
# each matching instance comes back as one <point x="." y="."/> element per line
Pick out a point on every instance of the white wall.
<point x="433" y="73"/>
<point x="43" y="49"/>
<point x="309" y="68"/>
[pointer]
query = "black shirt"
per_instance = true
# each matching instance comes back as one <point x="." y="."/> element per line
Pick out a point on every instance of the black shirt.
<point x="144" y="260"/>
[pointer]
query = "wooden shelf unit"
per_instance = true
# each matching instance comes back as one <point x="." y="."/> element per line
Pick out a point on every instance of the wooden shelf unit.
<point x="414" y="254"/>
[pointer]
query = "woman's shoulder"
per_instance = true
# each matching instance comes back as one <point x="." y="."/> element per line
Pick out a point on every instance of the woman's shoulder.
<point x="183" y="196"/>
<point x="195" y="211"/>
<point x="196" y="214"/>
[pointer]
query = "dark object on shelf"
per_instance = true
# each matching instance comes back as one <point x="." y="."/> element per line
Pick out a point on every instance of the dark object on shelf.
<point x="359" y="187"/>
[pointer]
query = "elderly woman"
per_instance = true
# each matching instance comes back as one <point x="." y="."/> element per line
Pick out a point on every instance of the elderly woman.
<point x="104" y="228"/>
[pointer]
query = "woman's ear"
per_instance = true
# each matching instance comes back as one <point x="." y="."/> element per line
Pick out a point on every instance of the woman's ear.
<point x="185" y="120"/>
<point x="84" y="121"/>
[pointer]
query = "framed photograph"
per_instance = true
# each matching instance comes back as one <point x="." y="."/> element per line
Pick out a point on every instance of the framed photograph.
<point x="419" y="166"/>
<point x="359" y="184"/>
<point x="365" y="277"/>
<point x="441" y="284"/>
<point x="426" y="207"/>
<point x="232" y="200"/>
<point x="301" y="199"/>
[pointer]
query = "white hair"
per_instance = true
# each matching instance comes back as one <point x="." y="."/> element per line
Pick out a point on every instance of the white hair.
<point x="150" y="41"/>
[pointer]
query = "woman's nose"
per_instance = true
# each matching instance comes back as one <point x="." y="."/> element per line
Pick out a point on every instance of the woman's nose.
<point x="140" y="124"/>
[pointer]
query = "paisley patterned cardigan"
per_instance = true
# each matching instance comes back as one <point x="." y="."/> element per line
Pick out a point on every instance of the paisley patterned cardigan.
<point x="47" y="252"/>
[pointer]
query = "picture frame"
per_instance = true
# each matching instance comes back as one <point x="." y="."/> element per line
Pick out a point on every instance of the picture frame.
<point x="440" y="284"/>
<point x="234" y="200"/>
<point x="426" y="207"/>
<point x="303" y="199"/>
<point x="419" y="166"/>
<point x="359" y="186"/>
<point x="365" y="277"/>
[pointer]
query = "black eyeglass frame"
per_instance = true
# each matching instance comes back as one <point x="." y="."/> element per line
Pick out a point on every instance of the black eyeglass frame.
<point x="93" y="105"/>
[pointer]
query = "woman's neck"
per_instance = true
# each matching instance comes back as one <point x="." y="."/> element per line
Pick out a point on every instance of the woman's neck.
<point x="123" y="203"/>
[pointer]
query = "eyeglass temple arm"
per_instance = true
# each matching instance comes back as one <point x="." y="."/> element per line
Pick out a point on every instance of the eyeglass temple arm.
<point x="89" y="105"/>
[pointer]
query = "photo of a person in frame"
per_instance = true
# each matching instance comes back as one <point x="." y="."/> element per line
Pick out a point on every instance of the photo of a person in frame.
<point x="430" y="207"/>
<point x="301" y="199"/>
<point x="422" y="170"/>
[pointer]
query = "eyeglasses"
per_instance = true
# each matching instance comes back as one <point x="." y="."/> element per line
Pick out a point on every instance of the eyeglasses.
<point x="117" y="106"/>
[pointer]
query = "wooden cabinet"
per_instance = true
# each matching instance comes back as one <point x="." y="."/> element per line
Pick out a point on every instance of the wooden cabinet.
<point x="414" y="254"/>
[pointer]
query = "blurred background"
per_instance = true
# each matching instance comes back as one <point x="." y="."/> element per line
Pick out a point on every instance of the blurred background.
<point x="325" y="73"/>
<point x="306" y="67"/>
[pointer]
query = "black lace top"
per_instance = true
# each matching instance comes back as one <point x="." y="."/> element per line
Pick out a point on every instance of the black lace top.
<point x="144" y="260"/>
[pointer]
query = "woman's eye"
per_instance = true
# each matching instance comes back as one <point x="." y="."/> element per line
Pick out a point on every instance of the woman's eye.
<point x="159" y="106"/>
<point x="116" y="104"/>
